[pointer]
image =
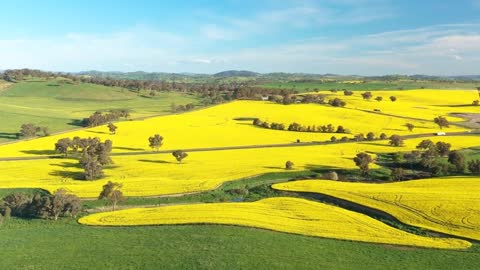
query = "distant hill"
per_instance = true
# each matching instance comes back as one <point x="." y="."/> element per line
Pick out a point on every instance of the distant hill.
<point x="236" y="73"/>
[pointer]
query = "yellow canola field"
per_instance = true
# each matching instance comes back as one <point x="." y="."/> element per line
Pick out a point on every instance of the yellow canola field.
<point x="422" y="103"/>
<point x="447" y="205"/>
<point x="279" y="214"/>
<point x="217" y="127"/>
<point x="160" y="174"/>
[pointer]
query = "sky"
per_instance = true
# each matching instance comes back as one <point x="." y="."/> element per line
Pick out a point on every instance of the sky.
<point x="364" y="37"/>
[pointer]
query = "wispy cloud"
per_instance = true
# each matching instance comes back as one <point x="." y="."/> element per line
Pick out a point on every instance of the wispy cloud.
<point x="439" y="49"/>
<point x="295" y="15"/>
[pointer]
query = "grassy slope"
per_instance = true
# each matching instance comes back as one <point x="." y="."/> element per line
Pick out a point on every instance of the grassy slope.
<point x="371" y="85"/>
<point x="58" y="106"/>
<point x="38" y="244"/>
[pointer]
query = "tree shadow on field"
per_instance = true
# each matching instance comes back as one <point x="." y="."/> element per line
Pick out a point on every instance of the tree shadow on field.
<point x="76" y="123"/>
<point x="67" y="174"/>
<point x="39" y="152"/>
<point x="8" y="135"/>
<point x="97" y="132"/>
<point x="377" y="144"/>
<point x="155" y="161"/>
<point x="66" y="165"/>
<point x="273" y="167"/>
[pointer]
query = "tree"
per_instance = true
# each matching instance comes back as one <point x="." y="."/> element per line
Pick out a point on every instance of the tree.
<point x="398" y="174"/>
<point x="441" y="122"/>
<point x="370" y="136"/>
<point x="359" y="137"/>
<point x="29" y="130"/>
<point x="332" y="175"/>
<point x="383" y="136"/>
<point x="410" y="126"/>
<point x="336" y="102"/>
<point x="476" y="102"/>
<point x="362" y="160"/>
<point x="45" y="131"/>
<point x="429" y="158"/>
<point x="379" y="98"/>
<point x="62" y="145"/>
<point x="367" y="95"/>
<point x="179" y="155"/>
<point x="393" y="98"/>
<point x="333" y="139"/>
<point x="425" y="144"/>
<point x="112" y="193"/>
<point x="443" y="148"/>
<point x="112" y="128"/>
<point x="17" y="202"/>
<point x="347" y="92"/>
<point x="92" y="168"/>
<point x="63" y="203"/>
<point x="155" y="142"/>
<point x="341" y="129"/>
<point x="458" y="160"/>
<point x="396" y="140"/>
<point x="474" y="166"/>
<point x="289" y="165"/>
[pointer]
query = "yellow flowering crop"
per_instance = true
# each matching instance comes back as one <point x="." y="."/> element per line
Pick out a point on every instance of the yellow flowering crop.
<point x="424" y="104"/>
<point x="161" y="174"/>
<point x="449" y="205"/>
<point x="280" y="214"/>
<point x="216" y="126"/>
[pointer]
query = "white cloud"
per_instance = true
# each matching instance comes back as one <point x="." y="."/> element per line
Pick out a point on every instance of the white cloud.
<point x="440" y="49"/>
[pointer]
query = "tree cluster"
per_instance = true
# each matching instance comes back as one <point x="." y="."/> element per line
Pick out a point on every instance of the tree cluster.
<point x="41" y="205"/>
<point x="99" y="118"/>
<point x="94" y="154"/>
<point x="300" y="128"/>
<point x="31" y="130"/>
<point x="182" y="108"/>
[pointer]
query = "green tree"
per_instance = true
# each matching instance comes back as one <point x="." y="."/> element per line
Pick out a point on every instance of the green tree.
<point x="179" y="155"/>
<point x="112" y="193"/>
<point x="398" y="174"/>
<point x="425" y="144"/>
<point x="289" y="165"/>
<point x="112" y="128"/>
<point x="155" y="142"/>
<point x="443" y="148"/>
<point x="458" y="160"/>
<point x="474" y="166"/>
<point x="410" y="126"/>
<point x="396" y="140"/>
<point x="441" y="122"/>
<point x="62" y="146"/>
<point x="363" y="160"/>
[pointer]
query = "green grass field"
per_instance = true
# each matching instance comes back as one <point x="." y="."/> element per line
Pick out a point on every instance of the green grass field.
<point x="60" y="106"/>
<point x="39" y="244"/>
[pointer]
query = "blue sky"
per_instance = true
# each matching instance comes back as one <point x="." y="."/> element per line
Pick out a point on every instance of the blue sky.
<point x="368" y="37"/>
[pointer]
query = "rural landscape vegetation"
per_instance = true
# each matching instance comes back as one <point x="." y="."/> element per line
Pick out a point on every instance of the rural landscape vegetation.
<point x="238" y="169"/>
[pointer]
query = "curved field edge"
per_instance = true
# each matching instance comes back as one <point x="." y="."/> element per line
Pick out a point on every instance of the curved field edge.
<point x="448" y="205"/>
<point x="282" y="214"/>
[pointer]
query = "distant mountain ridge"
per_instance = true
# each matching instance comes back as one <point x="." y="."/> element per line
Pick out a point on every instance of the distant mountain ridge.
<point x="236" y="73"/>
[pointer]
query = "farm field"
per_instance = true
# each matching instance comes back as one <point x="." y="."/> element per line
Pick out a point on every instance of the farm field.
<point x="370" y="85"/>
<point x="222" y="125"/>
<point x="280" y="214"/>
<point x="146" y="175"/>
<point x="447" y="205"/>
<point x="205" y="247"/>
<point x="60" y="106"/>
<point x="418" y="104"/>
<point x="200" y="171"/>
